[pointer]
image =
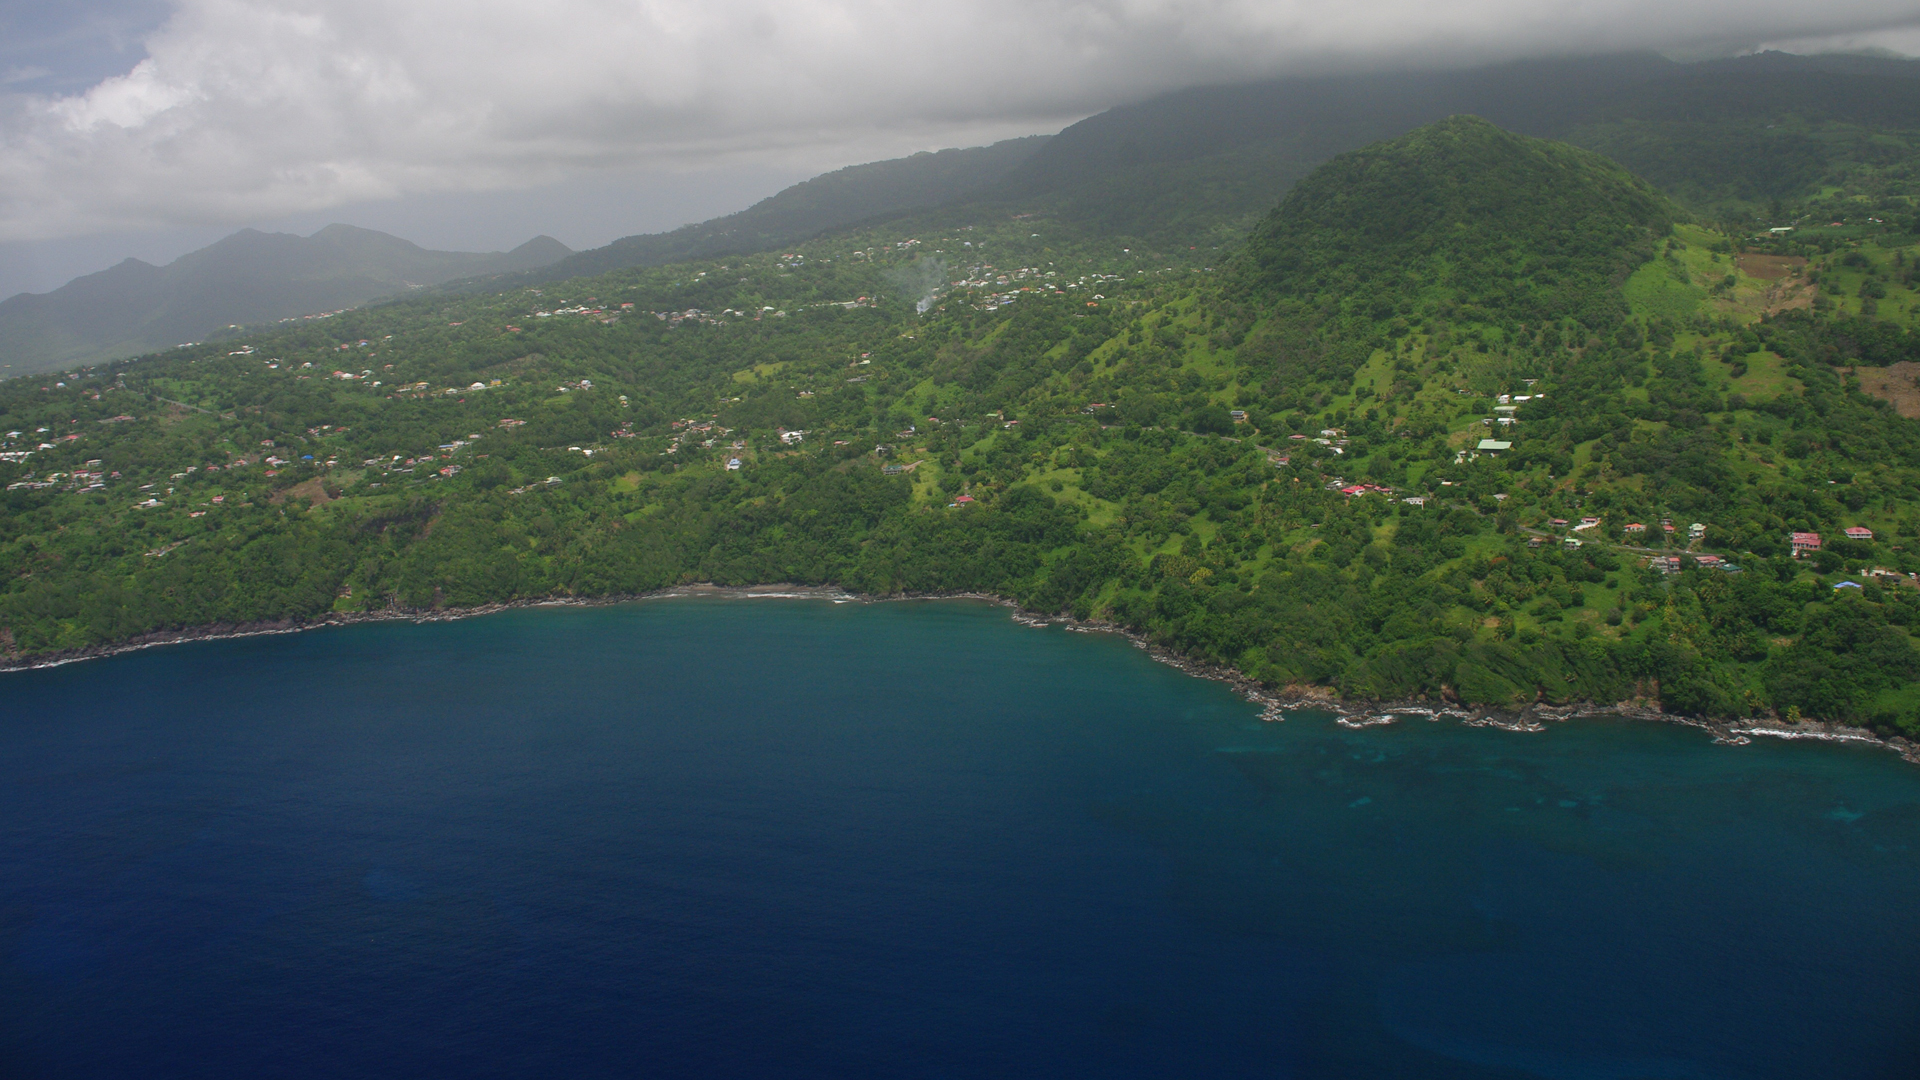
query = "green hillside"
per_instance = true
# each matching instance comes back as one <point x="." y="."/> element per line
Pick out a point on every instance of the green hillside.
<point x="1458" y="215"/>
<point x="829" y="201"/>
<point x="1295" y="459"/>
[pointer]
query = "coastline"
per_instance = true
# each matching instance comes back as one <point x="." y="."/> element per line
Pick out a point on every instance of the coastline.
<point x="1274" y="703"/>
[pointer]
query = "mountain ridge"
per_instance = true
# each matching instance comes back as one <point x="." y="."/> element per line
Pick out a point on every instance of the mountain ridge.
<point x="831" y="200"/>
<point x="245" y="278"/>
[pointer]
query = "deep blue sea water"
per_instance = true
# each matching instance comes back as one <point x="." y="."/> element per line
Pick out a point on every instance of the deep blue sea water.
<point x="786" y="838"/>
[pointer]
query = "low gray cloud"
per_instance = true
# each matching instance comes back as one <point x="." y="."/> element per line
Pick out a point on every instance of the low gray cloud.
<point x="251" y="109"/>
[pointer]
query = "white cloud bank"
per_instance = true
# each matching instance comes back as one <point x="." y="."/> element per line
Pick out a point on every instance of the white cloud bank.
<point x="252" y="109"/>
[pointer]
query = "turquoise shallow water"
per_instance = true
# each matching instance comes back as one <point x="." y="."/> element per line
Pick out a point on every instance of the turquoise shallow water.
<point x="722" y="837"/>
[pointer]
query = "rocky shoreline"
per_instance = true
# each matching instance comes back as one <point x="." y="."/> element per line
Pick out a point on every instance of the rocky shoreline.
<point x="1274" y="703"/>
<point x="1529" y="720"/>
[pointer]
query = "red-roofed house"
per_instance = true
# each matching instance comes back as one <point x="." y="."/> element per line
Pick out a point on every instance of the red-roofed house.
<point x="1859" y="533"/>
<point x="1636" y="527"/>
<point x="1807" y="541"/>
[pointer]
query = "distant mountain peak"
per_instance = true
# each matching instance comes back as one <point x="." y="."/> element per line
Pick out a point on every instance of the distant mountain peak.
<point x="245" y="278"/>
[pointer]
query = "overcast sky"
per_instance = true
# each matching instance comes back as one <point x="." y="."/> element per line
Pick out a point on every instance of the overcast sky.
<point x="147" y="127"/>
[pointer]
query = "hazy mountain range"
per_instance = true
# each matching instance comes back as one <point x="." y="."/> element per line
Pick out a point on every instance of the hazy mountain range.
<point x="249" y="277"/>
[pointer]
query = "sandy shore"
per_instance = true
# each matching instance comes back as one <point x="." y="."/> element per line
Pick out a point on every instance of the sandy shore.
<point x="1274" y="702"/>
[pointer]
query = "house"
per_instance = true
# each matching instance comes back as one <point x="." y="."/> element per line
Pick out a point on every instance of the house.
<point x="1712" y="562"/>
<point x="1635" y="528"/>
<point x="1570" y="543"/>
<point x="1696" y="530"/>
<point x="1414" y="500"/>
<point x="1666" y="564"/>
<point x="1493" y="446"/>
<point x="1558" y="523"/>
<point x="962" y="500"/>
<point x="1239" y="415"/>
<point x="1859" y="533"/>
<point x="1804" y="542"/>
<point x="733" y="464"/>
<point x="1587" y="523"/>
<point x="1535" y="541"/>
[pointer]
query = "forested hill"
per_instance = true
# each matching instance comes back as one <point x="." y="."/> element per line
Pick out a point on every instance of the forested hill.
<point x="1462" y="213"/>
<point x="1445" y="429"/>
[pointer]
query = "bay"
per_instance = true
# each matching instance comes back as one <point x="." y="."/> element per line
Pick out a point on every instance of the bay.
<point x="793" y="838"/>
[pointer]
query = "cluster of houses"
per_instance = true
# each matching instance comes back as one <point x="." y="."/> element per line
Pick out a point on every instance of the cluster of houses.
<point x="551" y="481"/>
<point x="1005" y="287"/>
<point x="1803" y="543"/>
<point x="1350" y="490"/>
<point x="1504" y="418"/>
<point x="1673" y="564"/>
<point x="695" y="315"/>
<point x="686" y="431"/>
<point x="578" y="309"/>
<point x="1695" y="531"/>
<point x="1332" y="438"/>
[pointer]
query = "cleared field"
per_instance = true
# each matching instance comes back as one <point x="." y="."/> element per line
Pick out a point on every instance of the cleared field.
<point x="1898" y="383"/>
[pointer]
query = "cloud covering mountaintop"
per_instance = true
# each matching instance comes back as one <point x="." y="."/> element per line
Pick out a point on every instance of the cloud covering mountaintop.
<point x="251" y="109"/>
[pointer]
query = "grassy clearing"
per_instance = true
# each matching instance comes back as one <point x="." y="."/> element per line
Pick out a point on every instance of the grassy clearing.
<point x="1766" y="377"/>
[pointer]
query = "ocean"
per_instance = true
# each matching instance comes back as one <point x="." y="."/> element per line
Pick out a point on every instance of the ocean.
<point x="727" y="837"/>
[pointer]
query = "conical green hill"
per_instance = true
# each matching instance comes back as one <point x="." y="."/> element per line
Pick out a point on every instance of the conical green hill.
<point x="1458" y="216"/>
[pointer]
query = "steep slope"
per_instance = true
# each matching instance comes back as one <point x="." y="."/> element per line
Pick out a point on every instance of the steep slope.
<point x="1290" y="126"/>
<point x="1457" y="214"/>
<point x="832" y="200"/>
<point x="1198" y="166"/>
<point x="1725" y="138"/>
<point x="249" y="277"/>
